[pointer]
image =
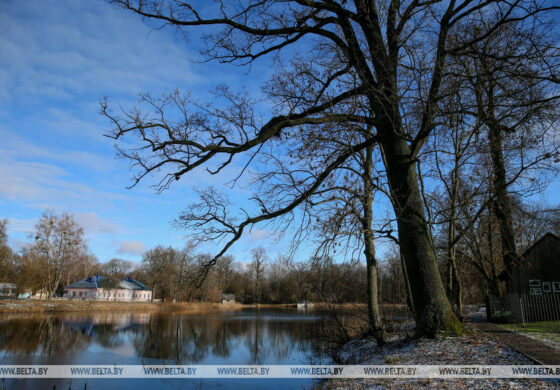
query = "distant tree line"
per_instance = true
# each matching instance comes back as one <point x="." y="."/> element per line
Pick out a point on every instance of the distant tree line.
<point x="58" y="255"/>
<point x="257" y="279"/>
<point x="172" y="273"/>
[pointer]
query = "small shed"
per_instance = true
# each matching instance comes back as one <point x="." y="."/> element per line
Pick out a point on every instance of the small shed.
<point x="537" y="270"/>
<point x="533" y="285"/>
<point x="228" y="298"/>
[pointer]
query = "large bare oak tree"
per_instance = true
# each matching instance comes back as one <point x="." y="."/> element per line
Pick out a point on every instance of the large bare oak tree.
<point x="367" y="63"/>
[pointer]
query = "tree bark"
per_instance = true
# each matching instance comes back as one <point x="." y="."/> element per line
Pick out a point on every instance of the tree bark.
<point x="501" y="203"/>
<point x="374" y="315"/>
<point x="409" y="300"/>
<point x="453" y="288"/>
<point x="433" y="313"/>
<point x="494" y="285"/>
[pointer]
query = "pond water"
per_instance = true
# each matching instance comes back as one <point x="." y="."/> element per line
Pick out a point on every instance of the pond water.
<point x="250" y="336"/>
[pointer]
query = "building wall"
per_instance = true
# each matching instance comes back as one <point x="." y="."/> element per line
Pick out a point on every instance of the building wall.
<point x="102" y="294"/>
<point x="542" y="263"/>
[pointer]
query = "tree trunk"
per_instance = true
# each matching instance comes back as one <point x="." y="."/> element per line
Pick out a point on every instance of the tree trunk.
<point x="408" y="292"/>
<point x="501" y="203"/>
<point x="453" y="288"/>
<point x="374" y="315"/>
<point x="433" y="312"/>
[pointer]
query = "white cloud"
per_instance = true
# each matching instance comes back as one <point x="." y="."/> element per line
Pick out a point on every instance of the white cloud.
<point x="63" y="49"/>
<point x="21" y="225"/>
<point x="90" y="221"/>
<point x="37" y="184"/>
<point x="131" y="248"/>
<point x="58" y="58"/>
<point x="93" y="224"/>
<point x="16" y="147"/>
<point x="259" y="234"/>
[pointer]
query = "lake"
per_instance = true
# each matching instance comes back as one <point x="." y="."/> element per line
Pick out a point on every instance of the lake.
<point x="249" y="336"/>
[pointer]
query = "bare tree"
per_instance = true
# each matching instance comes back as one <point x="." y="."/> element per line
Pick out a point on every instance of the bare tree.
<point x="517" y="110"/>
<point x="185" y="267"/>
<point x="346" y="214"/>
<point x="160" y="265"/>
<point x="389" y="56"/>
<point x="497" y="141"/>
<point x="223" y="271"/>
<point x="117" y="268"/>
<point x="6" y="254"/>
<point x="532" y="221"/>
<point x="57" y="241"/>
<point x="3" y="231"/>
<point x="80" y="267"/>
<point x="277" y="272"/>
<point x="257" y="267"/>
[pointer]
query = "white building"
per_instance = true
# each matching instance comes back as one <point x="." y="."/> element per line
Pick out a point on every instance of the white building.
<point x="8" y="290"/>
<point x="102" y="288"/>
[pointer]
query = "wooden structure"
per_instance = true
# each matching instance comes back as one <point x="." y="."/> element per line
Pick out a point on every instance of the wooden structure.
<point x="228" y="298"/>
<point x="537" y="271"/>
<point x="532" y="285"/>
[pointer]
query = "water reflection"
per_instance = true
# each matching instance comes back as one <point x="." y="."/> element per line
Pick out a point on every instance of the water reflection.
<point x="244" y="337"/>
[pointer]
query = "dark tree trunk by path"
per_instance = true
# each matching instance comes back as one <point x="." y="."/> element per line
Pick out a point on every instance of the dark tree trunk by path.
<point x="433" y="313"/>
<point x="501" y="203"/>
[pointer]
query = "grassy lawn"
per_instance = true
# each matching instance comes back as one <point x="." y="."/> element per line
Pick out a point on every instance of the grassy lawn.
<point x="545" y="331"/>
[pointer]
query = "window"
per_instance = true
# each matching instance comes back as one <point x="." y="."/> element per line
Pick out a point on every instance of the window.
<point x="534" y="283"/>
<point x="546" y="287"/>
<point x="535" y="291"/>
<point x="556" y="287"/>
<point x="80" y="293"/>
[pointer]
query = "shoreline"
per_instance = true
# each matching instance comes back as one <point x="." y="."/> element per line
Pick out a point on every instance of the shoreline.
<point x="58" y="306"/>
<point x="61" y="306"/>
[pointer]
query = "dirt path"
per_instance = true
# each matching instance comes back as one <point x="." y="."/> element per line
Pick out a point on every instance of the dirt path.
<point x="534" y="349"/>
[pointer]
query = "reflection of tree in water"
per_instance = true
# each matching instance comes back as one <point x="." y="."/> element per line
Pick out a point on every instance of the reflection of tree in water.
<point x="52" y="335"/>
<point x="254" y="340"/>
<point x="178" y="338"/>
<point x="284" y="336"/>
<point x="44" y="335"/>
<point x="165" y="336"/>
<point x="192" y="339"/>
<point x="222" y="347"/>
<point x="108" y="336"/>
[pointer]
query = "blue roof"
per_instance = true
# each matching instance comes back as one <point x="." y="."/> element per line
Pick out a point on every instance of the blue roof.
<point x="104" y="282"/>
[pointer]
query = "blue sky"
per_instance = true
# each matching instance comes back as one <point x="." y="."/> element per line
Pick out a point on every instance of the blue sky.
<point x="59" y="58"/>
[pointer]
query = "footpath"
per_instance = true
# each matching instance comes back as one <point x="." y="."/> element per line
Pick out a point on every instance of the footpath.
<point x="537" y="351"/>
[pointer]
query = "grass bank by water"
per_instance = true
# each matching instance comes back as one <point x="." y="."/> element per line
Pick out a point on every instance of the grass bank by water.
<point x="63" y="305"/>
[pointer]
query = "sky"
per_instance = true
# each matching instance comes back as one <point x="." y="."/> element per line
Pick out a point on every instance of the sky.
<point x="58" y="59"/>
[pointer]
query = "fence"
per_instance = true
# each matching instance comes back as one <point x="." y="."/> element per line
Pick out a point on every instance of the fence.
<point x="522" y="308"/>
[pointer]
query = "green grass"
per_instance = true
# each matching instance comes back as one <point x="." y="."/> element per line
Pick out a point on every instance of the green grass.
<point x="546" y="330"/>
<point x="535" y="327"/>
